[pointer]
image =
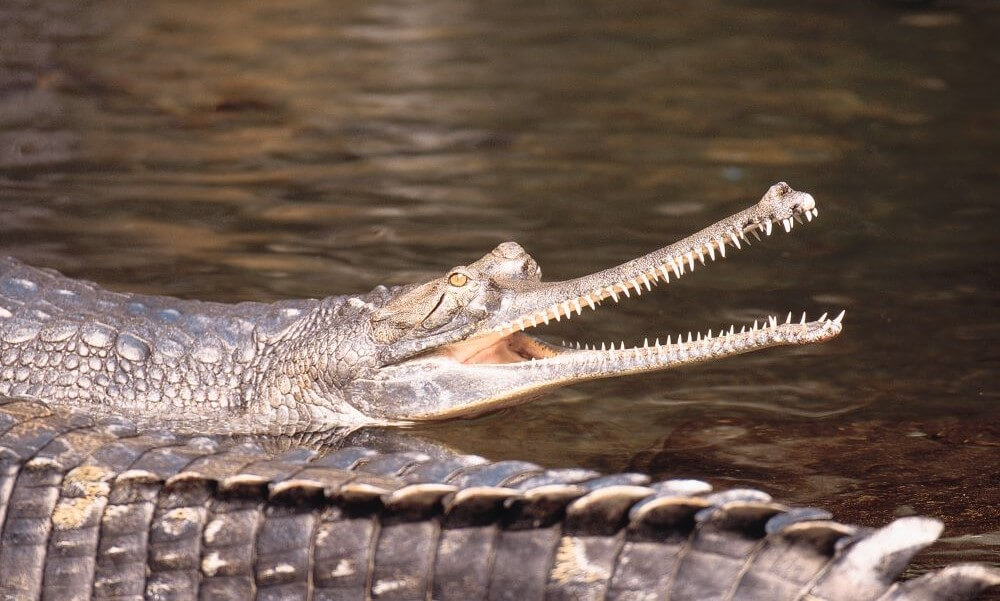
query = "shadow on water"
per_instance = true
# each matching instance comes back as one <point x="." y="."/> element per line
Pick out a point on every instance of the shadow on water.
<point x="306" y="148"/>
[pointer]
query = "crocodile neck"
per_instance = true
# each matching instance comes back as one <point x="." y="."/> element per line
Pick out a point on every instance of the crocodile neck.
<point x="154" y="358"/>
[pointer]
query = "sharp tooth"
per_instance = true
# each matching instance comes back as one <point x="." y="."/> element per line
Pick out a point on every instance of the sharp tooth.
<point x="822" y="317"/>
<point x="520" y="325"/>
<point x="614" y="295"/>
<point x="590" y="302"/>
<point x="645" y="343"/>
<point x="689" y="337"/>
<point x="773" y="320"/>
<point x="722" y="246"/>
<point x="809" y="216"/>
<point x="797" y="218"/>
<point x="657" y="343"/>
<point x="576" y="305"/>
<point x="638" y="289"/>
<point x="556" y="313"/>
<point x="789" y="318"/>
<point x="690" y="258"/>
<point x="838" y="318"/>
<point x="698" y="337"/>
<point x="604" y="349"/>
<point x="622" y="347"/>
<point x="756" y="235"/>
<point x="666" y="274"/>
<point x="577" y="346"/>
<point x="701" y="256"/>
<point x="736" y="240"/>
<point x="755" y="324"/>
<point x="711" y="250"/>
<point x="732" y="330"/>
<point x="625" y="291"/>
<point x="743" y="329"/>
<point x="668" y="340"/>
<point x="709" y="336"/>
<point x="816" y="212"/>
<point x="803" y="322"/>
<point x="673" y="266"/>
<point x="645" y="280"/>
<point x="534" y="321"/>
<point x="545" y="317"/>
<point x="566" y="310"/>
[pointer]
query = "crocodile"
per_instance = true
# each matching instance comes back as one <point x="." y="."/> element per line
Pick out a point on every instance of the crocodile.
<point x="452" y="347"/>
<point x="236" y="499"/>
<point x="95" y="507"/>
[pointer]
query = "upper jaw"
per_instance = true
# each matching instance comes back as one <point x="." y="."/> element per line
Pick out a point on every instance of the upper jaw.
<point x="540" y="303"/>
<point x="781" y="207"/>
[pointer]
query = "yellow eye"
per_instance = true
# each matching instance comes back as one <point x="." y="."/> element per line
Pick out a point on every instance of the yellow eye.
<point x="458" y="279"/>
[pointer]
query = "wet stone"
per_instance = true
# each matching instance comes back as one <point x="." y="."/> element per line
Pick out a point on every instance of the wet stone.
<point x="131" y="348"/>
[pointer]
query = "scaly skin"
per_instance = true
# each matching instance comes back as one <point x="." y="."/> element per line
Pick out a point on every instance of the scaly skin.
<point x="92" y="508"/>
<point x="451" y="347"/>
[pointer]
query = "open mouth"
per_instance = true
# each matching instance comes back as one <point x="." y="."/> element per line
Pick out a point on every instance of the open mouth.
<point x="506" y="343"/>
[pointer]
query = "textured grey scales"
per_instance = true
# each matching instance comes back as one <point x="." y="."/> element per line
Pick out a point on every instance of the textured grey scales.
<point x="91" y="508"/>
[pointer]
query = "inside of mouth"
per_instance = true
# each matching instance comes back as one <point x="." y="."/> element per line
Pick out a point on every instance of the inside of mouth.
<point x="500" y="349"/>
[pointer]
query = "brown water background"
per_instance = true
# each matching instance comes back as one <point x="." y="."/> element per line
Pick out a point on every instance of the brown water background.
<point x="233" y="151"/>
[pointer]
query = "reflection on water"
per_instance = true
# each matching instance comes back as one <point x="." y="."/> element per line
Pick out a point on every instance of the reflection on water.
<point x="307" y="147"/>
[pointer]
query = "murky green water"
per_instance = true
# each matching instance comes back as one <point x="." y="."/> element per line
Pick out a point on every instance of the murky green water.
<point x="313" y="147"/>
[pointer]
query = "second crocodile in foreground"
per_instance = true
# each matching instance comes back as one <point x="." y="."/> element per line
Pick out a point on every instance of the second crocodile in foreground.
<point x="454" y="346"/>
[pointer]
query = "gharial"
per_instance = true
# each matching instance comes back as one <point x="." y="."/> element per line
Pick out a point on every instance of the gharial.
<point x="96" y="504"/>
<point x="454" y="346"/>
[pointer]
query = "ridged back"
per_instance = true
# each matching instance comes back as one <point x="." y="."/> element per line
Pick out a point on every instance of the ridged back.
<point x="92" y="508"/>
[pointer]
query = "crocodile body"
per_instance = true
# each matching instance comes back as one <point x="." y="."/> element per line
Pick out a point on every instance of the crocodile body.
<point x="94" y="503"/>
<point x="451" y="347"/>
<point x="94" y="508"/>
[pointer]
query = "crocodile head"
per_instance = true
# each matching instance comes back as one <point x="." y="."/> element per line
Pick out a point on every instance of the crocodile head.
<point x="457" y="346"/>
